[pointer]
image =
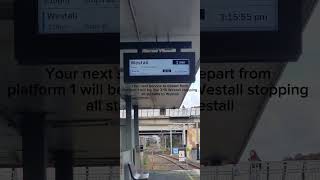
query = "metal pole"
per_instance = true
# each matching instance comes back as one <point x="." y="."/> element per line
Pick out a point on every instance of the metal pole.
<point x="130" y="127"/>
<point x="284" y="173"/>
<point x="171" y="141"/>
<point x="232" y="178"/>
<point x="152" y="159"/>
<point x="197" y="141"/>
<point x="303" y="172"/>
<point x="87" y="173"/>
<point x="110" y="173"/>
<point x="184" y="135"/>
<point x="12" y="173"/>
<point x="268" y="171"/>
<point x="165" y="142"/>
<point x="136" y="124"/>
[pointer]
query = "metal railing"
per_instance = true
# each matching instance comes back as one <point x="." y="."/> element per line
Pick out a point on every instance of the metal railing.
<point x="80" y="173"/>
<point x="156" y="113"/>
<point x="286" y="170"/>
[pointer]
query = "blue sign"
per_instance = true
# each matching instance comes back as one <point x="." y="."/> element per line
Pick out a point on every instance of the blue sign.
<point x="175" y="150"/>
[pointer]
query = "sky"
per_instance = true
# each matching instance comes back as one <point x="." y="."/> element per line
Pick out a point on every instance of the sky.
<point x="192" y="98"/>
<point x="292" y="125"/>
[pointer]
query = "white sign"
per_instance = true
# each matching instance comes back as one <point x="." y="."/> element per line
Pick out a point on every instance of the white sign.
<point x="182" y="156"/>
<point x="78" y="16"/>
<point x="159" y="67"/>
<point x="239" y="15"/>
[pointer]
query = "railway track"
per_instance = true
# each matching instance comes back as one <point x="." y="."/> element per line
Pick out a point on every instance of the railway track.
<point x="187" y="166"/>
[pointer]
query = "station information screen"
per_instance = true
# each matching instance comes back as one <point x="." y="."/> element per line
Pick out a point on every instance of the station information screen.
<point x="165" y="67"/>
<point x="159" y="67"/>
<point x="239" y="15"/>
<point x="67" y="31"/>
<point x="78" y="16"/>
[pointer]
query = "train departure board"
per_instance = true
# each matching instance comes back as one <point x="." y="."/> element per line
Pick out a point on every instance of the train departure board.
<point x="78" y="16"/>
<point x="164" y="67"/>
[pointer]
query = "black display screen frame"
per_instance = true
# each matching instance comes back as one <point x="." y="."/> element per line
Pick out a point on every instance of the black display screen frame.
<point x="281" y="45"/>
<point x="33" y="47"/>
<point x="159" y="79"/>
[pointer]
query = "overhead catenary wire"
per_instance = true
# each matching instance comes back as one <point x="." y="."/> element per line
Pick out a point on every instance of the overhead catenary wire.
<point x="133" y="15"/>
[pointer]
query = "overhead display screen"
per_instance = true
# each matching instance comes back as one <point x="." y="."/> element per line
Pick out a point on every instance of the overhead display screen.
<point x="164" y="67"/>
<point x="159" y="67"/>
<point x="78" y="16"/>
<point x="239" y="15"/>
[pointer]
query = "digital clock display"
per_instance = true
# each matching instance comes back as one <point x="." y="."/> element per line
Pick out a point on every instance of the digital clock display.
<point x="78" y="16"/>
<point x="239" y="15"/>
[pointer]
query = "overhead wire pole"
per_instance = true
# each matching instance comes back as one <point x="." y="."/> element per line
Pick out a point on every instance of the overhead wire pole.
<point x="171" y="141"/>
<point x="184" y="135"/>
<point x="165" y="142"/>
<point x="197" y="140"/>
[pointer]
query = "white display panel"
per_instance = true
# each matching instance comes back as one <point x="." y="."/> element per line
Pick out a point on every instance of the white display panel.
<point x="78" y="16"/>
<point x="239" y="15"/>
<point x="159" y="67"/>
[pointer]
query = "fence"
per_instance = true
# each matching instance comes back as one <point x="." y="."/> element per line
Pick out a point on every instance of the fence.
<point x="80" y="173"/>
<point x="287" y="170"/>
<point x="150" y="113"/>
